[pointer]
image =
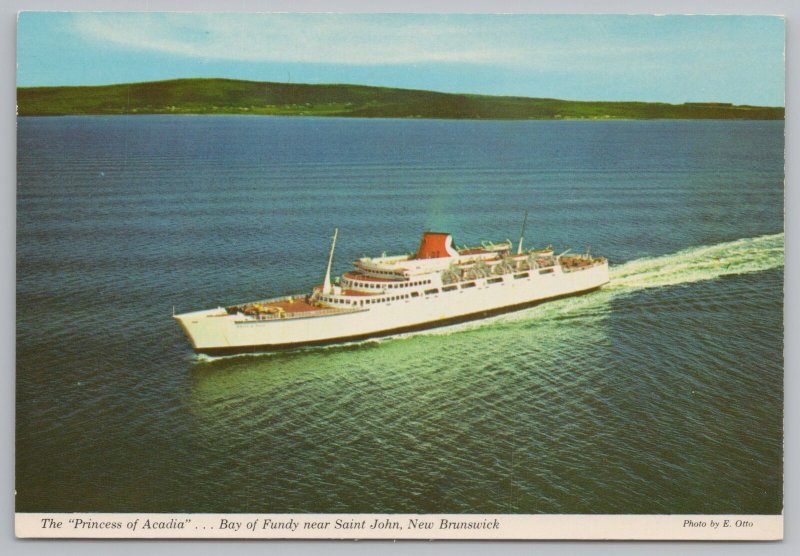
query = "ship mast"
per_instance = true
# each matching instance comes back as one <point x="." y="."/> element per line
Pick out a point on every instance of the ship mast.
<point x="326" y="287"/>
<point x="522" y="233"/>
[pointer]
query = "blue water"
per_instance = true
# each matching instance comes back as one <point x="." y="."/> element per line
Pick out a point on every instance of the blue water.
<point x="660" y="394"/>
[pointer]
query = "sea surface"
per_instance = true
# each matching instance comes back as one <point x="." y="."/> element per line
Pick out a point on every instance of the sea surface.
<point x="662" y="393"/>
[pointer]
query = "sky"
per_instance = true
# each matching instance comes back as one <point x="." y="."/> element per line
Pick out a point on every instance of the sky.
<point x="676" y="59"/>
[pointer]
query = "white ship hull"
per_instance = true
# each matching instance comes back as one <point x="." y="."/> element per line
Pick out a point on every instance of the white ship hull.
<point x="217" y="332"/>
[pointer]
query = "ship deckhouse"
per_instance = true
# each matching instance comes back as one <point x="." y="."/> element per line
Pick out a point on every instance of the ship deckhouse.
<point x="437" y="262"/>
<point x="436" y="252"/>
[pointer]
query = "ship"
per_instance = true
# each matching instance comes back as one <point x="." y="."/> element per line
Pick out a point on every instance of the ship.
<point x="438" y="285"/>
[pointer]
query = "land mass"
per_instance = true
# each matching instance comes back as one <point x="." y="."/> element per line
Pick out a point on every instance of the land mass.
<point x="229" y="96"/>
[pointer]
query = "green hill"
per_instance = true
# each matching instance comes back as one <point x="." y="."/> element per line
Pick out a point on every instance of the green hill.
<point x="228" y="96"/>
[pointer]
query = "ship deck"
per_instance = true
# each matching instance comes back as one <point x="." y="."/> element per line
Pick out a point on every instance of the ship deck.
<point x="299" y="305"/>
<point x="285" y="308"/>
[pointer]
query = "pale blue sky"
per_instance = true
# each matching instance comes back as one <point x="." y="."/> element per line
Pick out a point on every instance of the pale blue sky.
<point x="675" y="59"/>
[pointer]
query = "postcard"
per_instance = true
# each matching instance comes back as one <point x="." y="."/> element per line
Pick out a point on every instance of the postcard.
<point x="399" y="276"/>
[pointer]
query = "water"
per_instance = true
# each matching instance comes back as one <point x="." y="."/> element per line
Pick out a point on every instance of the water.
<point x="659" y="394"/>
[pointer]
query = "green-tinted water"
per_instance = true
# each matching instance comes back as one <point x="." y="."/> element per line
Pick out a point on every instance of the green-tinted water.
<point x="662" y="393"/>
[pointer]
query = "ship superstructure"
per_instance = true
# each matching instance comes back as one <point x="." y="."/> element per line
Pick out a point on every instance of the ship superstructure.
<point x="438" y="285"/>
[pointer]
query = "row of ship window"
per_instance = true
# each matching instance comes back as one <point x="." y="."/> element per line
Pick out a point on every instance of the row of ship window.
<point x="432" y="291"/>
<point x="372" y="285"/>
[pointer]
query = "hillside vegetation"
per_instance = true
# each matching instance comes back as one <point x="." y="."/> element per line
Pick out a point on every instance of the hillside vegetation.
<point x="228" y="96"/>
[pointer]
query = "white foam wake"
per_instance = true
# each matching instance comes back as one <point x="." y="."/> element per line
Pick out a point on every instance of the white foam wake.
<point x="695" y="264"/>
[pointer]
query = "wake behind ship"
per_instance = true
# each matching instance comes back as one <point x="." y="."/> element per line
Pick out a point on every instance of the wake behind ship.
<point x="438" y="285"/>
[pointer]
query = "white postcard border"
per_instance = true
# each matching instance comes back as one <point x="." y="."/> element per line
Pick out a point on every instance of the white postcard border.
<point x="488" y="527"/>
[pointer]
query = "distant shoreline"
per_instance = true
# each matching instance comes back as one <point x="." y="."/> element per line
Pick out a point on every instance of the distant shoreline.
<point x="430" y="118"/>
<point x="235" y="97"/>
